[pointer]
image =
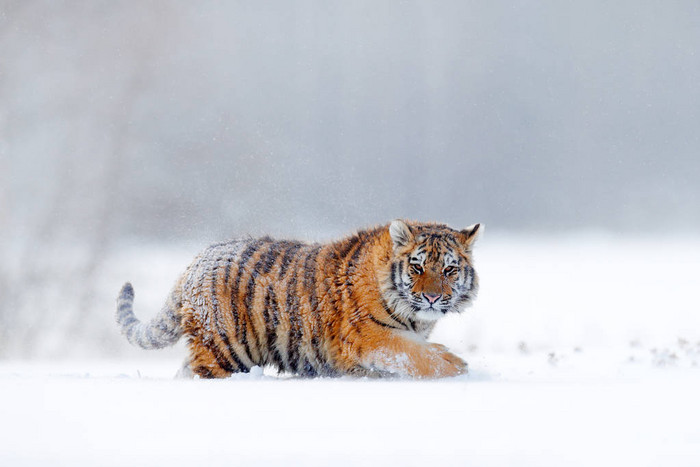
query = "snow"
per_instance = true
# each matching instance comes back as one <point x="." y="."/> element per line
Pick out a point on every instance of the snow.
<point x="582" y="351"/>
<point x="134" y="413"/>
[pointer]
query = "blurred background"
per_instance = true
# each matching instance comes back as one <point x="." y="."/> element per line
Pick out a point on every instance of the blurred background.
<point x="134" y="133"/>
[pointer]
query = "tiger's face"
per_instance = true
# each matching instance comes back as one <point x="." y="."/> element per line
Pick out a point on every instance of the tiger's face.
<point x="431" y="270"/>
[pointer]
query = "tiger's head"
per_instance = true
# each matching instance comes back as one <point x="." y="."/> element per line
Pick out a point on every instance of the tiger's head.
<point x="431" y="271"/>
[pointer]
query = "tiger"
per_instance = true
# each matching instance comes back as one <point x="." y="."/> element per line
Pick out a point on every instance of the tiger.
<point x="361" y="306"/>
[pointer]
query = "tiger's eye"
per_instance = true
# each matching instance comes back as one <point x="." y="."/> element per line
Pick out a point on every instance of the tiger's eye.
<point x="449" y="270"/>
<point x="416" y="269"/>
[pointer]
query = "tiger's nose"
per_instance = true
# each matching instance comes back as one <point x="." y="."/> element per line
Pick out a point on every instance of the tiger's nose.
<point x="432" y="297"/>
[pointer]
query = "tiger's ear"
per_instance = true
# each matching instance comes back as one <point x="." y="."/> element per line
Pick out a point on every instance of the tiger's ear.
<point x="470" y="235"/>
<point x="400" y="233"/>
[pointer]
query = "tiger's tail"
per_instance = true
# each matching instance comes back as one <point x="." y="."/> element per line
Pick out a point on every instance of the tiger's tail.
<point x="162" y="331"/>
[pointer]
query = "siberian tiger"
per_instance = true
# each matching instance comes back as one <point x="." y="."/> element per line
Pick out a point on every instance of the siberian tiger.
<point x="363" y="305"/>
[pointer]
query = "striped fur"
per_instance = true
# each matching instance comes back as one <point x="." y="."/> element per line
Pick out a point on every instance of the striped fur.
<point x="363" y="305"/>
<point x="162" y="331"/>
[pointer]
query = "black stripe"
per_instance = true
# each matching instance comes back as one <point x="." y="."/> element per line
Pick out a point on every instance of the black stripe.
<point x="383" y="324"/>
<point x="243" y="338"/>
<point x="394" y="319"/>
<point x="350" y="267"/>
<point x="295" y="331"/>
<point x="310" y="276"/>
<point x="234" y="356"/>
<point x="264" y="265"/>
<point x="254" y="339"/>
<point x="221" y="359"/>
<point x="203" y="372"/>
<point x="266" y="312"/>
<point x="249" y="303"/>
<point x="349" y="245"/>
<point x="339" y="281"/>
<point x="310" y="282"/>
<point x="327" y="368"/>
<point x="240" y="315"/>
<point x="269" y="258"/>
<point x="272" y="329"/>
<point x="308" y="370"/>
<point x="265" y="261"/>
<point x="287" y="258"/>
<point x="224" y="362"/>
<point x="274" y="307"/>
<point x="248" y="253"/>
<point x="335" y="297"/>
<point x="234" y="292"/>
<point x="411" y="324"/>
<point x="354" y="257"/>
<point x="227" y="273"/>
<point x="350" y="263"/>
<point x="350" y="287"/>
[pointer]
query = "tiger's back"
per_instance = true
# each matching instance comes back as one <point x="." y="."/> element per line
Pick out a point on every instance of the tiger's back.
<point x="309" y="309"/>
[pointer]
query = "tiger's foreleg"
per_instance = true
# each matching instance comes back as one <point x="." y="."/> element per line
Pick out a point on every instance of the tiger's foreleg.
<point x="410" y="356"/>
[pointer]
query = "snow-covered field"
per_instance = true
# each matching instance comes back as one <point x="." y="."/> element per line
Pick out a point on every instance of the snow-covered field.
<point x="509" y="411"/>
<point x="582" y="351"/>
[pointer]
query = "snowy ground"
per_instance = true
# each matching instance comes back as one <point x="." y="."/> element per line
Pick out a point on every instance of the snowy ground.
<point x="509" y="411"/>
<point x="581" y="352"/>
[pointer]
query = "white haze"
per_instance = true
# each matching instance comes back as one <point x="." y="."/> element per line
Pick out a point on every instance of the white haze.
<point x="132" y="134"/>
<point x="154" y="123"/>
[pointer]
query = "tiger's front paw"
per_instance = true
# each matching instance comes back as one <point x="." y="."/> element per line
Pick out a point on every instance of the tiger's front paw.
<point x="445" y="363"/>
<point x="457" y="366"/>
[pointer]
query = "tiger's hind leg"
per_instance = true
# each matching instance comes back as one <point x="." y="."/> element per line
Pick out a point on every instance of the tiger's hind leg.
<point x="211" y="361"/>
<point x="210" y="354"/>
<point x="205" y="364"/>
